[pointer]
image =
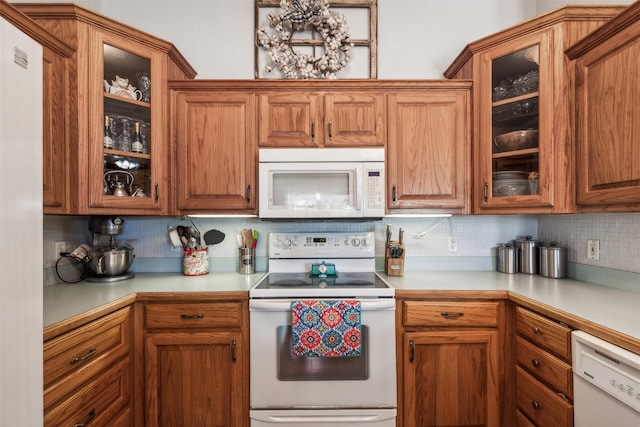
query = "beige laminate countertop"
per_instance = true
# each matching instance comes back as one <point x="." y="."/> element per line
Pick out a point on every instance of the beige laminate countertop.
<point x="64" y="301"/>
<point x="586" y="305"/>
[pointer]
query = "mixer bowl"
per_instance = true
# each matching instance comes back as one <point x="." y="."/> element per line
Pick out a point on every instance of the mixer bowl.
<point x="111" y="261"/>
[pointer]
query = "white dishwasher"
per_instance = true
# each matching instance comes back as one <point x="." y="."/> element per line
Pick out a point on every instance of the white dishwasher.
<point x="606" y="383"/>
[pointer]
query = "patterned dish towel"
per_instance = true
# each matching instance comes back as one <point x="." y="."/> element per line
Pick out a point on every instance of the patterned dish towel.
<point x="321" y="328"/>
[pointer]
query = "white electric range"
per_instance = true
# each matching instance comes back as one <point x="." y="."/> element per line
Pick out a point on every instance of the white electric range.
<point x="322" y="391"/>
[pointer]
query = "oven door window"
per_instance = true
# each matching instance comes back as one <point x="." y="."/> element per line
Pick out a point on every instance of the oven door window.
<point x="296" y="368"/>
<point x="317" y="190"/>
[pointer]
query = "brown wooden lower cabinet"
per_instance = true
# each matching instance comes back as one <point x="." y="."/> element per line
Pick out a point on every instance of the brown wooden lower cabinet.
<point x="88" y="373"/>
<point x="196" y="364"/>
<point x="540" y="404"/>
<point x="543" y="375"/>
<point x="449" y="373"/>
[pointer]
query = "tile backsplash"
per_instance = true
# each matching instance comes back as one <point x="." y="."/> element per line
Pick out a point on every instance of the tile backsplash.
<point x="619" y="236"/>
<point x="426" y="239"/>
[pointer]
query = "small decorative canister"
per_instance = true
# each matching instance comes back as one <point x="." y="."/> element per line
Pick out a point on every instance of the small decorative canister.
<point x="507" y="258"/>
<point x="528" y="255"/>
<point x="195" y="262"/>
<point x="553" y="261"/>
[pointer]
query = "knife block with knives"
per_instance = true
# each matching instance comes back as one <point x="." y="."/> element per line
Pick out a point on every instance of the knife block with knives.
<point x="394" y="254"/>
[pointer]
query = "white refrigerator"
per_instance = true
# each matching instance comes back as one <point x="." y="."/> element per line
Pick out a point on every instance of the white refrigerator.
<point x="21" y="265"/>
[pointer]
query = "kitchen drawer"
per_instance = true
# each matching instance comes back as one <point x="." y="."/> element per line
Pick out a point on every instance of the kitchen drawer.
<point x="193" y="315"/>
<point x="545" y="333"/>
<point x="101" y="402"/>
<point x="544" y="366"/>
<point x="456" y="314"/>
<point x="523" y="421"/>
<point x="73" y="358"/>
<point x="540" y="404"/>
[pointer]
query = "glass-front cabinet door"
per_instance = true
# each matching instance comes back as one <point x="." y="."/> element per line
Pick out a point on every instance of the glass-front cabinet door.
<point x="515" y="140"/>
<point x="125" y="161"/>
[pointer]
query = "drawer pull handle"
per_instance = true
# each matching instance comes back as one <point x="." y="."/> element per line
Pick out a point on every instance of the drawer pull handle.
<point x="91" y="352"/>
<point x="535" y="405"/>
<point x="448" y="315"/>
<point x="313" y="131"/>
<point x="90" y="415"/>
<point x="535" y="363"/>
<point x="330" y="131"/>
<point x="192" y="316"/>
<point x="535" y="329"/>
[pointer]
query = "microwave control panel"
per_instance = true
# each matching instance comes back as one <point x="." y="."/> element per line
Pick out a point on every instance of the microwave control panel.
<point x="374" y="191"/>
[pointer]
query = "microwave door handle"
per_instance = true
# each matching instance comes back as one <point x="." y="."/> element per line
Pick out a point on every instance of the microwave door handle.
<point x="355" y="193"/>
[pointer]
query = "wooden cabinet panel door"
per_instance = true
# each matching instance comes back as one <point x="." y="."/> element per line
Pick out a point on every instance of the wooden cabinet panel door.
<point x="608" y="107"/>
<point x="290" y="119"/>
<point x="215" y="151"/>
<point x="451" y="378"/>
<point x="196" y="379"/>
<point x="428" y="160"/>
<point x="354" y="119"/>
<point x="55" y="134"/>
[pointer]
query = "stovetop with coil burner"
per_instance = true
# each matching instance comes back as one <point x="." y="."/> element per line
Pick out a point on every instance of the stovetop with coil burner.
<point x="322" y="265"/>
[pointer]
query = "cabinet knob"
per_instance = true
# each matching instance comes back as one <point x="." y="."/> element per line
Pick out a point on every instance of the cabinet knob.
<point x="330" y="130"/>
<point x="535" y="363"/>
<point x="313" y="131"/>
<point x="486" y="191"/>
<point x="394" y="195"/>
<point x="535" y="405"/>
<point x="535" y="329"/>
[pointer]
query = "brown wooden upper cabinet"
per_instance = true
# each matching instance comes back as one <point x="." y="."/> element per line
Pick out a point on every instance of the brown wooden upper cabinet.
<point x="303" y="118"/>
<point x="213" y="148"/>
<point x="608" y="115"/>
<point x="107" y="55"/>
<point x="523" y="147"/>
<point x="429" y="149"/>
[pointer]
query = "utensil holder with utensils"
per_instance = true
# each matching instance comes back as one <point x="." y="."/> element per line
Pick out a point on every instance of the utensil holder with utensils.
<point x="195" y="262"/>
<point x="394" y="258"/>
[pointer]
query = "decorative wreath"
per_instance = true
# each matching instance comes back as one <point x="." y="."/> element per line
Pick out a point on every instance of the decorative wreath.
<point x="300" y="15"/>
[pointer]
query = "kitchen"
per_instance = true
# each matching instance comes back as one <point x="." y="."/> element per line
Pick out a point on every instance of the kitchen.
<point x="427" y="238"/>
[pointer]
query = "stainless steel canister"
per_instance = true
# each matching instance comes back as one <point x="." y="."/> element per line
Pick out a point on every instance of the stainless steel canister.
<point x="507" y="259"/>
<point x="247" y="261"/>
<point x="528" y="255"/>
<point x="553" y="261"/>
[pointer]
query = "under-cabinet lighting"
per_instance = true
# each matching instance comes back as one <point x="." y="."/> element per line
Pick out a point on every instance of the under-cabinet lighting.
<point x="221" y="216"/>
<point x="435" y="215"/>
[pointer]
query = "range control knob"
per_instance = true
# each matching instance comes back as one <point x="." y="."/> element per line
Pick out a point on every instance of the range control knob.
<point x="365" y="242"/>
<point x="286" y="242"/>
<point x="355" y="241"/>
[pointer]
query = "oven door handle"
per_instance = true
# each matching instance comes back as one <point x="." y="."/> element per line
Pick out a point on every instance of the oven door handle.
<point x="342" y="419"/>
<point x="382" y="304"/>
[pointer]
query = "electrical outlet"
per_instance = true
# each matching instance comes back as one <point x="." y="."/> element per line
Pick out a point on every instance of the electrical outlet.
<point x="453" y="244"/>
<point x="593" y="249"/>
<point x="60" y="246"/>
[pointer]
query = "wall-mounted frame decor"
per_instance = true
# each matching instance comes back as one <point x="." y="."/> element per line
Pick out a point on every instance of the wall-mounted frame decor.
<point x="309" y="39"/>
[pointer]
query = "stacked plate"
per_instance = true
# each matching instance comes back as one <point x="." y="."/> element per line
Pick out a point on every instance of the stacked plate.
<point x="510" y="183"/>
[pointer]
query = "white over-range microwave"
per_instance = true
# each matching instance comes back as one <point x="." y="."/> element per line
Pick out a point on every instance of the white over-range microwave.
<point x="321" y="183"/>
